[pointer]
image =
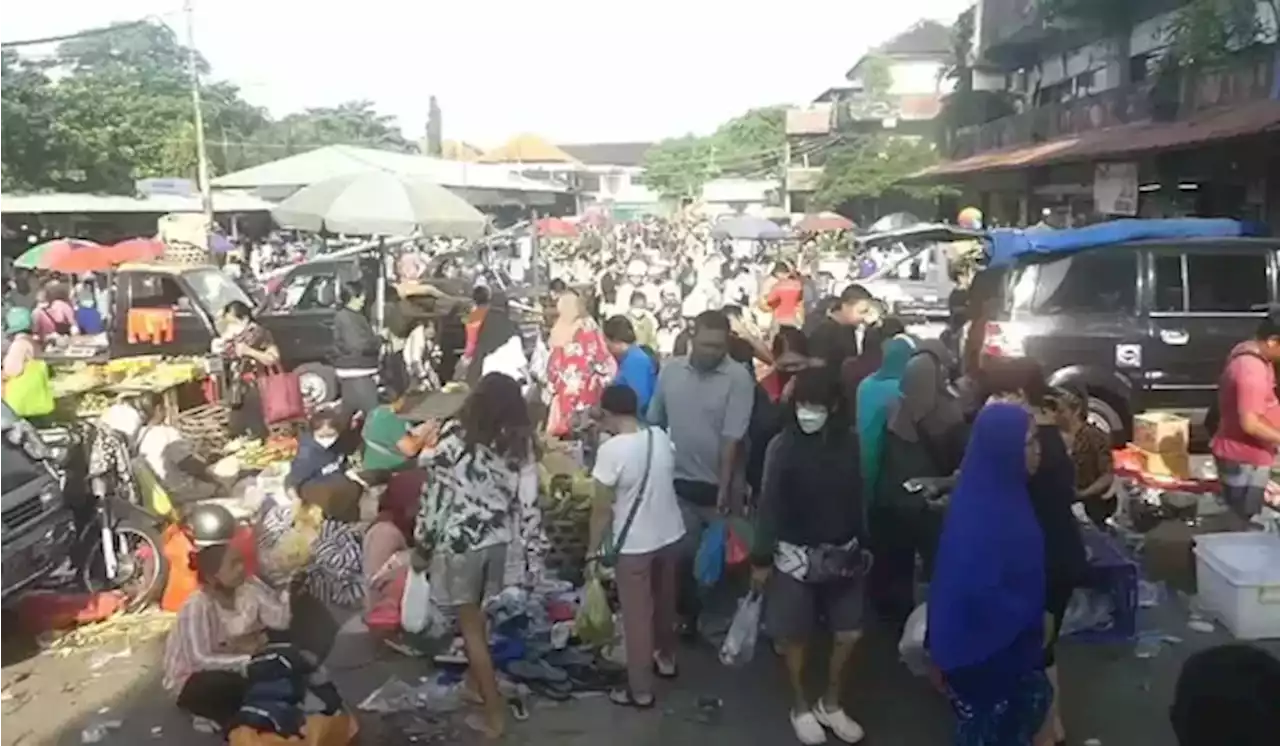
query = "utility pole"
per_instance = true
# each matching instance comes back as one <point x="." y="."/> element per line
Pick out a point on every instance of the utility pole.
<point x="202" y="159"/>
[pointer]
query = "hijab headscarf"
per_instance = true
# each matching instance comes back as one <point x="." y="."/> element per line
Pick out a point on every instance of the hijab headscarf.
<point x="875" y="394"/>
<point x="925" y="409"/>
<point x="495" y="330"/>
<point x="989" y="583"/>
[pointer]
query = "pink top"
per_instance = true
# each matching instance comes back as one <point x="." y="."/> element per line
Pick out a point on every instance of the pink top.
<point x="46" y="320"/>
<point x="21" y="350"/>
<point x="204" y="628"/>
<point x="1248" y="384"/>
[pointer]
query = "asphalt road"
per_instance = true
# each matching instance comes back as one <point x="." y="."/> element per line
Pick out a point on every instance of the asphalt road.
<point x="1111" y="695"/>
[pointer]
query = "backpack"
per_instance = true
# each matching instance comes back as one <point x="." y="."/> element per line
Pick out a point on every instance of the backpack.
<point x="1213" y="417"/>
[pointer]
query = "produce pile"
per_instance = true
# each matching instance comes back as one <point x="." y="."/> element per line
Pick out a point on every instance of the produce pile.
<point x="257" y="454"/>
<point x="566" y="488"/>
<point x="143" y="373"/>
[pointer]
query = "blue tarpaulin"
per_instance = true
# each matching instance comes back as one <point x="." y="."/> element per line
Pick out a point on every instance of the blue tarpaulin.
<point x="1007" y="244"/>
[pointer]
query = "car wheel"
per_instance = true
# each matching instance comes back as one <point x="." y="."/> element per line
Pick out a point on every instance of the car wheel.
<point x="318" y="382"/>
<point x="1104" y="416"/>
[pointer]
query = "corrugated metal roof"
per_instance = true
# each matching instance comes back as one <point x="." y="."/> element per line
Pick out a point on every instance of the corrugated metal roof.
<point x="64" y="203"/>
<point x="1208" y="126"/>
<point x="609" y="153"/>
<point x="338" y="160"/>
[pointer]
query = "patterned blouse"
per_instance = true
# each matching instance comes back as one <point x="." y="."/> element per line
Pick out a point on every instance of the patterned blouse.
<point x="476" y="499"/>
<point x="1091" y="453"/>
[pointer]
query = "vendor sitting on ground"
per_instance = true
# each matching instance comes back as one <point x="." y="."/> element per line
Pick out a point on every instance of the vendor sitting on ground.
<point x="318" y="473"/>
<point x="382" y="433"/>
<point x="185" y="477"/>
<point x="222" y="625"/>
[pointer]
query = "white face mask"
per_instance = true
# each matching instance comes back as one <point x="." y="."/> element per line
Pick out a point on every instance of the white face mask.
<point x="811" y="419"/>
<point x="326" y="441"/>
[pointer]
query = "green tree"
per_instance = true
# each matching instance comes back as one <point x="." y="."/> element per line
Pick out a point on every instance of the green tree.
<point x="1203" y="33"/>
<point x="26" y="119"/>
<point x="1113" y="19"/>
<point x="750" y="145"/>
<point x="876" y="75"/>
<point x="349" y="123"/>
<point x="871" y="166"/>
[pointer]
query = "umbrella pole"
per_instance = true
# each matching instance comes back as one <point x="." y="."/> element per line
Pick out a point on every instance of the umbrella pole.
<point x="535" y="275"/>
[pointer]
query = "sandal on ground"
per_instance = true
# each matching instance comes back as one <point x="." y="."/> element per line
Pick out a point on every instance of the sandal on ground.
<point x="844" y="727"/>
<point x="624" y="698"/>
<point x="665" y="669"/>
<point x="519" y="709"/>
<point x="808" y="730"/>
<point x="549" y="691"/>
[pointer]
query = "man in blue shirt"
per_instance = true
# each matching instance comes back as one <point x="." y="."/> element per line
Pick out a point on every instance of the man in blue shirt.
<point x="637" y="367"/>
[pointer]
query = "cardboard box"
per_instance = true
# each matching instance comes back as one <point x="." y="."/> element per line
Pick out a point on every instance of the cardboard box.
<point x="1177" y="465"/>
<point x="1159" y="432"/>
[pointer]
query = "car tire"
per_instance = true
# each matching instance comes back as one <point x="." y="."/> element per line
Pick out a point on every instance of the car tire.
<point x="1107" y="418"/>
<point x="319" y="384"/>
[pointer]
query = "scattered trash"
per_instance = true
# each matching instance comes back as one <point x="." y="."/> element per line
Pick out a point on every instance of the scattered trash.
<point x="101" y="659"/>
<point x="1089" y="610"/>
<point x="128" y="629"/>
<point x="156" y="731"/>
<point x="1150" y="643"/>
<point x="397" y="696"/>
<point x="98" y="732"/>
<point x="204" y="725"/>
<point x="1150" y="595"/>
<point x="1092" y="742"/>
<point x="1200" y="625"/>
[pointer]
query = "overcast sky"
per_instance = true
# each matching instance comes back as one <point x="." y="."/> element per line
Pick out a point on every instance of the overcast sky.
<point x="570" y="70"/>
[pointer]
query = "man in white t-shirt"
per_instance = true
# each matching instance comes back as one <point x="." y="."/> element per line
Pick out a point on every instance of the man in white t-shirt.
<point x="636" y="508"/>
<point x="184" y="475"/>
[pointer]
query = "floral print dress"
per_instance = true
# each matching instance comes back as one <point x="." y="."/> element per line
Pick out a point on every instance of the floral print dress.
<point x="475" y="499"/>
<point x="577" y="373"/>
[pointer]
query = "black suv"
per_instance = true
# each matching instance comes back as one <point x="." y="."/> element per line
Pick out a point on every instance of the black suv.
<point x="1141" y="326"/>
<point x="37" y="525"/>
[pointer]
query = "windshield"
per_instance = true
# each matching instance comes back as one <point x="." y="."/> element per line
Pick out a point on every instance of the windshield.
<point x="16" y="468"/>
<point x="214" y="290"/>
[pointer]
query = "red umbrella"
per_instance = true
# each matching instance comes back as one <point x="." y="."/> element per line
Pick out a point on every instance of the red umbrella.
<point x="557" y="228"/>
<point x="824" y="222"/>
<point x="135" y="250"/>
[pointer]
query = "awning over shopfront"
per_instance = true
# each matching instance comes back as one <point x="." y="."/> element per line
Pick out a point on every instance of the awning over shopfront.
<point x="1253" y="118"/>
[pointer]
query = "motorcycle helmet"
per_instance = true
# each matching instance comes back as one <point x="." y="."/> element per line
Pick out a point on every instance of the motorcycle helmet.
<point x="210" y="525"/>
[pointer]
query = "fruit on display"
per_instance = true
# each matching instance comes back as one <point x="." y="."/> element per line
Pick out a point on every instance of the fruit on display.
<point x="256" y="454"/>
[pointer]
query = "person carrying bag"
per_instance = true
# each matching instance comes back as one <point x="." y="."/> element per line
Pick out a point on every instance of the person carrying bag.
<point x="636" y="530"/>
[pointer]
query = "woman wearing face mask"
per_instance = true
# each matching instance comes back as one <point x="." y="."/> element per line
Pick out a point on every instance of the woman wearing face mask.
<point x="808" y="552"/>
<point x="354" y="354"/>
<point x="249" y="349"/>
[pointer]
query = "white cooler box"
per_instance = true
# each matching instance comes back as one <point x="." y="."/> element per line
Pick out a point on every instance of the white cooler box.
<point x="1238" y="580"/>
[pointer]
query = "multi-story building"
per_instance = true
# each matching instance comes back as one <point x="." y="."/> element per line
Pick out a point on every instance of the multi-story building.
<point x="1102" y="128"/>
<point x="896" y="87"/>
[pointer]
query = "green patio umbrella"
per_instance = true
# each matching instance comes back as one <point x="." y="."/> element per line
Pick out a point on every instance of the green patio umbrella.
<point x="380" y="203"/>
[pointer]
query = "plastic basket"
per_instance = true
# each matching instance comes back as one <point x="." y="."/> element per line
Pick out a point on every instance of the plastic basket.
<point x="1111" y="571"/>
<point x="184" y="254"/>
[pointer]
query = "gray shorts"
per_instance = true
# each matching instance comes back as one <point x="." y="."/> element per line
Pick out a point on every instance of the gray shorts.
<point x="794" y="611"/>
<point x="468" y="578"/>
<point x="1244" y="486"/>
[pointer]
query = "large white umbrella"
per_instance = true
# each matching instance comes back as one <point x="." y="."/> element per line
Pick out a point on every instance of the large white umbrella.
<point x="380" y="203"/>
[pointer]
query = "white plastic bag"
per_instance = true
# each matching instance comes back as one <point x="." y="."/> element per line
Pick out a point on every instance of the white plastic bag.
<point x="740" y="643"/>
<point x="911" y="646"/>
<point x="415" y="604"/>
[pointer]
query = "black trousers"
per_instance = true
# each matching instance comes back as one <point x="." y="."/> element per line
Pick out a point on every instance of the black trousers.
<point x="898" y="534"/>
<point x="358" y="394"/>
<point x="215" y="695"/>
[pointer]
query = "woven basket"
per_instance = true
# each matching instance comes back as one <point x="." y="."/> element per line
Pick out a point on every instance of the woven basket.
<point x="208" y="427"/>
<point x="184" y="254"/>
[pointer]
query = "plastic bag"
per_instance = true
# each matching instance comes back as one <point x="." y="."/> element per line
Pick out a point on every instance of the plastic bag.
<point x="415" y="604"/>
<point x="737" y="545"/>
<point x="1088" y="611"/>
<point x="911" y="647"/>
<point x="708" y="565"/>
<point x="740" y="644"/>
<point x="594" y="623"/>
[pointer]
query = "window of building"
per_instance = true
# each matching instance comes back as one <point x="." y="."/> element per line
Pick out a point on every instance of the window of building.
<point x="1085" y="82"/>
<point x="1139" y="67"/>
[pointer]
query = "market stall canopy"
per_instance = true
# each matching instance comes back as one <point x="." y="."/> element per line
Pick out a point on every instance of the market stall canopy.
<point x="557" y="228"/>
<point x="73" y="255"/>
<point x="748" y="227"/>
<point x="380" y="203"/>
<point x="479" y="183"/>
<point x="824" y="222"/>
<point x="159" y="204"/>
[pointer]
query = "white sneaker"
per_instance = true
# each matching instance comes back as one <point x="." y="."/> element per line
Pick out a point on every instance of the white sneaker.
<point x="845" y="727"/>
<point x="808" y="730"/>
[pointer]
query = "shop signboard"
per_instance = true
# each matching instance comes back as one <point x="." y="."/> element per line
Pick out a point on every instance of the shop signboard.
<point x="1115" y="188"/>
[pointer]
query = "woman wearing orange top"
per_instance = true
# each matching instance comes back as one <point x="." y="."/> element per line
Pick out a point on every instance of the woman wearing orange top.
<point x="480" y="296"/>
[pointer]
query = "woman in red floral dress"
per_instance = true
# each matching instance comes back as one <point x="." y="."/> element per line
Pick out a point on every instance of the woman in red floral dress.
<point x="579" y="366"/>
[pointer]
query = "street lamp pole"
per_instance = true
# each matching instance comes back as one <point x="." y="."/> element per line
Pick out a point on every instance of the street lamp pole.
<point x="202" y="160"/>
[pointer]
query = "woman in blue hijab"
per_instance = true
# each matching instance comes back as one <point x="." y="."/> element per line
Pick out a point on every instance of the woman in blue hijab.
<point x="875" y="395"/>
<point x="986" y="603"/>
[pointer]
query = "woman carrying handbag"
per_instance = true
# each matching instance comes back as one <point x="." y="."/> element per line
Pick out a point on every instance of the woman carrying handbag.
<point x="636" y="528"/>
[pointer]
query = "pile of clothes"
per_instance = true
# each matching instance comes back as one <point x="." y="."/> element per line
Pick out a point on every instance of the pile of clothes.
<point x="290" y="700"/>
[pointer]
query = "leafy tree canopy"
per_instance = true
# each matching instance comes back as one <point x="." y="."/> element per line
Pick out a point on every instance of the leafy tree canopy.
<point x="871" y="166"/>
<point x="115" y="107"/>
<point x="750" y="145"/>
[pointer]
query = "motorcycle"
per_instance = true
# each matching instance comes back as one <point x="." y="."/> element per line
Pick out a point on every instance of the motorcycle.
<point x="118" y="544"/>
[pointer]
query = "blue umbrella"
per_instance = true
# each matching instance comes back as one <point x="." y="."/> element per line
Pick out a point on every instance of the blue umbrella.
<point x="220" y="244"/>
<point x="748" y="227"/>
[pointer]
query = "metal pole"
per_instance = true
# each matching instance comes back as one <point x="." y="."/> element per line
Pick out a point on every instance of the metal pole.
<point x="534" y="273"/>
<point x="202" y="160"/>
